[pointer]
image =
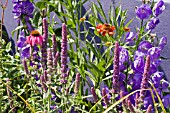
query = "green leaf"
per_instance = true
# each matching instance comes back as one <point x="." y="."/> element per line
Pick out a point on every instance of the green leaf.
<point x="129" y="22"/>
<point x="8" y="47"/>
<point x="16" y="29"/>
<point x="40" y="5"/>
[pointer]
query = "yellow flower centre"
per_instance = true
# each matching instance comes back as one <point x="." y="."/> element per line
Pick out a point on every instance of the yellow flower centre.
<point x="35" y="33"/>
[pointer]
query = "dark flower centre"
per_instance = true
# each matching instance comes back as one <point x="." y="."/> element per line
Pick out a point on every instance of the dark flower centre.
<point x="35" y="33"/>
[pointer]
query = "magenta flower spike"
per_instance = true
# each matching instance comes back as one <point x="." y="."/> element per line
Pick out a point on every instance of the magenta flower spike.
<point x="55" y="59"/>
<point x="106" y="100"/>
<point x="77" y="83"/>
<point x="145" y="78"/>
<point x="95" y="98"/>
<point x="54" y="44"/>
<point x="64" y="69"/>
<point x="44" y="44"/>
<point x="130" y="106"/>
<point x="116" y="84"/>
<point x="25" y="67"/>
<point x="49" y="61"/>
<point x="149" y="109"/>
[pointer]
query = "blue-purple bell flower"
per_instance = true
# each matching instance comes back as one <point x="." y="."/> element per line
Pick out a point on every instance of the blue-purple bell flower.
<point x="144" y="46"/>
<point x="162" y="42"/>
<point x="152" y="24"/>
<point x="143" y="12"/>
<point x="166" y="101"/>
<point x="158" y="8"/>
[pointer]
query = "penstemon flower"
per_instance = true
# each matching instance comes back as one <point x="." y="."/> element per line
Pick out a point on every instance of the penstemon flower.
<point x="158" y="8"/>
<point x="22" y="9"/>
<point x="143" y="12"/>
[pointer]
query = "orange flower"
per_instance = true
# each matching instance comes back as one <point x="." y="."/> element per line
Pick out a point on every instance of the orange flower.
<point x="126" y="29"/>
<point x="105" y="29"/>
<point x="82" y="19"/>
<point x="34" y="38"/>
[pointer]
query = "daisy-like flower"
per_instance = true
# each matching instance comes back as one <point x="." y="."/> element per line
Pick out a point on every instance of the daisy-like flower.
<point x="34" y="38"/>
<point x="105" y="29"/>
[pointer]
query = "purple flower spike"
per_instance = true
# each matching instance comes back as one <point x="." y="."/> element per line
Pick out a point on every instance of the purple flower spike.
<point x="104" y="94"/>
<point x="124" y="101"/>
<point x="64" y="52"/>
<point x="94" y="94"/>
<point x="145" y="79"/>
<point x="131" y="107"/>
<point x="54" y="44"/>
<point x="143" y="12"/>
<point x="49" y="61"/>
<point x="25" y="67"/>
<point x="149" y="109"/>
<point x="9" y="93"/>
<point x="43" y="79"/>
<point x="44" y="44"/>
<point x="116" y="84"/>
<point x="55" y="60"/>
<point x="77" y="83"/>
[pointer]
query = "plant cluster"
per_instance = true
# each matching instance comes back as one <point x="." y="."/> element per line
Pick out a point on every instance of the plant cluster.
<point x="92" y="62"/>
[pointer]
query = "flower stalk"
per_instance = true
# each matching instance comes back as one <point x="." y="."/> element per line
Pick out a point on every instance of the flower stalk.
<point x="116" y="83"/>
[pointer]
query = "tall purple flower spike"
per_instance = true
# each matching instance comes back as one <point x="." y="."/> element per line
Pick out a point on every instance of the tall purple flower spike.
<point x="95" y="98"/>
<point x="43" y="80"/>
<point x="9" y="93"/>
<point x="131" y="107"/>
<point x="54" y="44"/>
<point x="49" y="61"/>
<point x="145" y="79"/>
<point x="149" y="109"/>
<point x="104" y="95"/>
<point x="77" y="83"/>
<point x="116" y="84"/>
<point x="44" y="44"/>
<point x="64" y="69"/>
<point x="55" y="59"/>
<point x="25" y="67"/>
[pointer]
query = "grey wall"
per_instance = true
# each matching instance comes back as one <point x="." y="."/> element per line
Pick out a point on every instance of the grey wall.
<point x="162" y="29"/>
